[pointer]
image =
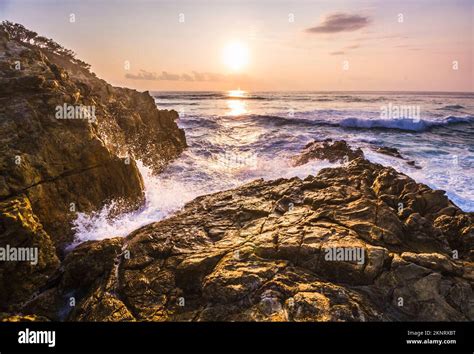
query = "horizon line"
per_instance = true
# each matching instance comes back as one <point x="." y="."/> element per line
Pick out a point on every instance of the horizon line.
<point x="318" y="91"/>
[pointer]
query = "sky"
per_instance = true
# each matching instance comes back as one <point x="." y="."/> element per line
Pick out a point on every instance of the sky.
<point x="358" y="45"/>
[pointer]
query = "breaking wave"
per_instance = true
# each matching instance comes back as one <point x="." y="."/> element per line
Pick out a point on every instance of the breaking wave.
<point x="408" y="124"/>
<point x="403" y="123"/>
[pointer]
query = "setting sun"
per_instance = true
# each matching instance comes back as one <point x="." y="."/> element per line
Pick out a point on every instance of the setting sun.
<point x="235" y="56"/>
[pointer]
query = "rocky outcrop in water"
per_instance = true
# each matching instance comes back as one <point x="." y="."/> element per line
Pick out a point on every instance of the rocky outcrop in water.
<point x="360" y="242"/>
<point x="340" y="151"/>
<point x="332" y="151"/>
<point x="391" y="151"/>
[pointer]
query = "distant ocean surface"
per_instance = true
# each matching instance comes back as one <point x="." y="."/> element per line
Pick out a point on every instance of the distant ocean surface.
<point x="235" y="137"/>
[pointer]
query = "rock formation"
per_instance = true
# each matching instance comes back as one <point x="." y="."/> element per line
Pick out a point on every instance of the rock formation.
<point x="258" y="253"/>
<point x="330" y="150"/>
<point x="52" y="168"/>
<point x="67" y="165"/>
<point x="391" y="151"/>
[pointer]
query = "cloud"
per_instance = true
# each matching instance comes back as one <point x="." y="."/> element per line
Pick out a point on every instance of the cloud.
<point x="347" y="48"/>
<point x="385" y="37"/>
<point x="340" y="22"/>
<point x="355" y="46"/>
<point x="194" y="76"/>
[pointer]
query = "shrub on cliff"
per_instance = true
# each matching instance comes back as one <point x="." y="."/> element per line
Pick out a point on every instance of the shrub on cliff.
<point x="18" y="32"/>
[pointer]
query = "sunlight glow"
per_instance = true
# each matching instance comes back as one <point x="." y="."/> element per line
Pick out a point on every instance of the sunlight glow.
<point x="235" y="56"/>
<point x="236" y="93"/>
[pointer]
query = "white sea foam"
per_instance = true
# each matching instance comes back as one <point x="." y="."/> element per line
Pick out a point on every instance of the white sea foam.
<point x="441" y="173"/>
<point x="170" y="191"/>
<point x="163" y="197"/>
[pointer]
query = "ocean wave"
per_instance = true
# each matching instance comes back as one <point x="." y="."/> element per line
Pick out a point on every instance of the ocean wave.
<point x="266" y="97"/>
<point x="209" y="96"/>
<point x="194" y="122"/>
<point x="453" y="106"/>
<point x="347" y="99"/>
<point x="403" y="123"/>
<point x="279" y="121"/>
<point x="186" y="95"/>
<point x="408" y="124"/>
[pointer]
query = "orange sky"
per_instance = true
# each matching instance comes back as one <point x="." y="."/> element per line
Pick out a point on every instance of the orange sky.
<point x="414" y="45"/>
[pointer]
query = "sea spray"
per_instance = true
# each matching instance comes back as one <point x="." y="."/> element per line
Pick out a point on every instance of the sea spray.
<point x="170" y="191"/>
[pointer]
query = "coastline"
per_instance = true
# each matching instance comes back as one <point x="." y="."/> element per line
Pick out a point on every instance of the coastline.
<point x="250" y="253"/>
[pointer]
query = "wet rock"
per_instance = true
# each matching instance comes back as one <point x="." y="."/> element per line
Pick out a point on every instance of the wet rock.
<point x="388" y="151"/>
<point x="394" y="152"/>
<point x="328" y="149"/>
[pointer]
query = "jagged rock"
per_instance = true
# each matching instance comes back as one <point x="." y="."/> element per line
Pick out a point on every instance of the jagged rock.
<point x="325" y="150"/>
<point x="269" y="261"/>
<point x="388" y="151"/>
<point x="64" y="166"/>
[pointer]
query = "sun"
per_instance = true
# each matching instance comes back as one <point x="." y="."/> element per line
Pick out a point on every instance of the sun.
<point x="235" y="56"/>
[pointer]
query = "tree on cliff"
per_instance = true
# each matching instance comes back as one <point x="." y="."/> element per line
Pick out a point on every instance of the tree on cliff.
<point x="18" y="32"/>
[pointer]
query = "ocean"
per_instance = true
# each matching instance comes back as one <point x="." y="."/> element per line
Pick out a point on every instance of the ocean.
<point x="235" y="137"/>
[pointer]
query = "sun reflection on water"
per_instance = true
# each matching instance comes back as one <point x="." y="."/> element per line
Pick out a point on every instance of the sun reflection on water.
<point x="236" y="107"/>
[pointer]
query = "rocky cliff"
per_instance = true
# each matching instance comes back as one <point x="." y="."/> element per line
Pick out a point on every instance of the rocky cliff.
<point x="260" y="253"/>
<point x="55" y="165"/>
<point x="68" y="165"/>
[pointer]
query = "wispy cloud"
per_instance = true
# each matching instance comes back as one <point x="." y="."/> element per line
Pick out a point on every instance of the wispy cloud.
<point x="346" y="49"/>
<point x="381" y="38"/>
<point x="340" y="22"/>
<point x="194" y="76"/>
